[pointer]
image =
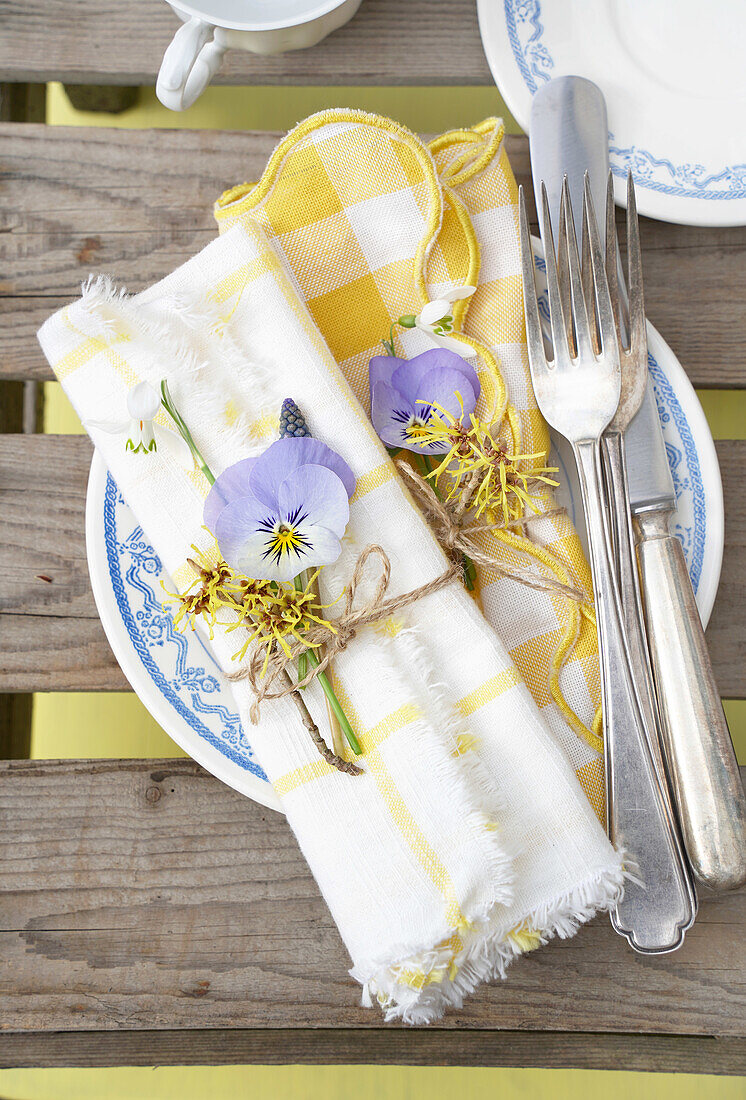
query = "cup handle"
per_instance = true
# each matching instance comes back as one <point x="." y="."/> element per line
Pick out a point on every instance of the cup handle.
<point x="188" y="66"/>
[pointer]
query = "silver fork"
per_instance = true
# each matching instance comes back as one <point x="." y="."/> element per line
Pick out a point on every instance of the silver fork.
<point x="629" y="315"/>
<point x="578" y="393"/>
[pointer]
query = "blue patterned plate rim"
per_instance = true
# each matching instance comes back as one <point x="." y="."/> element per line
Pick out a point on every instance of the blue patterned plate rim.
<point x="687" y="186"/>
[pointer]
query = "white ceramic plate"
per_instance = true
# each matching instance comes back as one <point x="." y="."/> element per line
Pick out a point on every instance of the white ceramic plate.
<point x="177" y="679"/>
<point x="675" y="85"/>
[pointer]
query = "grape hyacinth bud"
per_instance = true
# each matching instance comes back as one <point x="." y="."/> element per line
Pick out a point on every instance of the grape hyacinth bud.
<point x="292" y="422"/>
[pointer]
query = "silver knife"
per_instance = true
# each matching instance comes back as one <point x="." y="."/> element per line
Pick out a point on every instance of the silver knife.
<point x="569" y="135"/>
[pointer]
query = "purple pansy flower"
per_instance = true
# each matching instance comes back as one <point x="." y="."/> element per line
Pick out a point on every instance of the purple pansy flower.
<point x="404" y="391"/>
<point x="283" y="512"/>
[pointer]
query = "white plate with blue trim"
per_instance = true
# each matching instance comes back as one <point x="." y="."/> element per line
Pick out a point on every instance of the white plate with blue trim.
<point x="175" y="675"/>
<point x="675" y="87"/>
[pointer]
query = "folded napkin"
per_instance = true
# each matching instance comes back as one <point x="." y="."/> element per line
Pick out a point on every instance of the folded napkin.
<point x="467" y="839"/>
<point x="373" y="224"/>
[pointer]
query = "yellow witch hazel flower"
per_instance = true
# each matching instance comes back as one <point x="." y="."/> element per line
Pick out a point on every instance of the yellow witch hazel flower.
<point x="496" y="484"/>
<point x="273" y="612"/>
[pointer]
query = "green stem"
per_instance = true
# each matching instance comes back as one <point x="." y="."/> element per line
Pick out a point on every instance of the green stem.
<point x="184" y="432"/>
<point x="303" y="659"/>
<point x="470" y="573"/>
<point x="389" y="344"/>
<point x="335" y="705"/>
<point x="427" y="467"/>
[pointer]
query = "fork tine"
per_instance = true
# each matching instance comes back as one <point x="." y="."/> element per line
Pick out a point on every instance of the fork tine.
<point x="637" y="330"/>
<point x="603" y="301"/>
<point x="586" y="275"/>
<point x="563" y="277"/>
<point x="612" y="274"/>
<point x="558" y="322"/>
<point x="536" y="357"/>
<point x="569" y="245"/>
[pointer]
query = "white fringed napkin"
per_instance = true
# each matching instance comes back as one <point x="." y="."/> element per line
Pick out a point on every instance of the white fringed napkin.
<point x="467" y="840"/>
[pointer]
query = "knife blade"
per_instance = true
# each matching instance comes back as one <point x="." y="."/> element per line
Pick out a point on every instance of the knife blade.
<point x="648" y="472"/>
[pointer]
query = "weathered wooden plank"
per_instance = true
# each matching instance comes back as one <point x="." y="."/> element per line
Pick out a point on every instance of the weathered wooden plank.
<point x="53" y="653"/>
<point x="20" y="410"/>
<point x="43" y="568"/>
<point x="109" y="43"/>
<point x="51" y="637"/>
<point x="138" y="203"/>
<point x="184" y="905"/>
<point x="380" y="1046"/>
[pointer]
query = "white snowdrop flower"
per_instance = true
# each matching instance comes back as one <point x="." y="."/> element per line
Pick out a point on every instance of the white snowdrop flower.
<point x="142" y="434"/>
<point x="436" y="318"/>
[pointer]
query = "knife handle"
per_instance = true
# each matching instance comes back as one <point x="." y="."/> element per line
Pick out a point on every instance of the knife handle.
<point x="697" y="745"/>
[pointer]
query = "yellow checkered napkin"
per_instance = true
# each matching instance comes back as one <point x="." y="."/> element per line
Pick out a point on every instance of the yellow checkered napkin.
<point x="372" y="225"/>
<point x="467" y="839"/>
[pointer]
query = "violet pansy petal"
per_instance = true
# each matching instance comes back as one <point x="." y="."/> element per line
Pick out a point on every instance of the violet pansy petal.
<point x="325" y="543"/>
<point x="237" y="522"/>
<point x="314" y="495"/>
<point x="381" y="367"/>
<point x="238" y="519"/>
<point x="232" y="484"/>
<point x="248" y="543"/>
<point x="410" y="377"/>
<point x="256" y="557"/>
<point x="319" y="546"/>
<point x="443" y="387"/>
<point x="287" y="455"/>
<point x="390" y="413"/>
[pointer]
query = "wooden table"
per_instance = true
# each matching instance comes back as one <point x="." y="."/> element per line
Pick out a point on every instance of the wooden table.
<point x="148" y="914"/>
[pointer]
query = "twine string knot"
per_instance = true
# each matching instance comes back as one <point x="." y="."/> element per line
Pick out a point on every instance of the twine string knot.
<point x="268" y="674"/>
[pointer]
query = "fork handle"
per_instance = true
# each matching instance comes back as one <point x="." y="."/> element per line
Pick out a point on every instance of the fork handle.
<point x="654" y="913"/>
<point x="697" y="744"/>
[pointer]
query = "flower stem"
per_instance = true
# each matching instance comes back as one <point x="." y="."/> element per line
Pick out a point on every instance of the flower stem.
<point x="303" y="659"/>
<point x="184" y="432"/>
<point x="389" y="344"/>
<point x="427" y="468"/>
<point x="330" y="757"/>
<point x="336" y="706"/>
<point x="470" y="573"/>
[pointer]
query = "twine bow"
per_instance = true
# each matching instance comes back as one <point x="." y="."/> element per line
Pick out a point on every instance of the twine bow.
<point x="333" y="639"/>
<point x="269" y="677"/>
<point x="446" y="520"/>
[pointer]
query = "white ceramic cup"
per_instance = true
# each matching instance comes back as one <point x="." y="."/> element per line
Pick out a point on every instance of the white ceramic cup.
<point x="262" y="26"/>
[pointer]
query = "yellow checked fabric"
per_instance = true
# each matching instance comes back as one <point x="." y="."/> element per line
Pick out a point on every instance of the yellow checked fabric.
<point x="372" y="224"/>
